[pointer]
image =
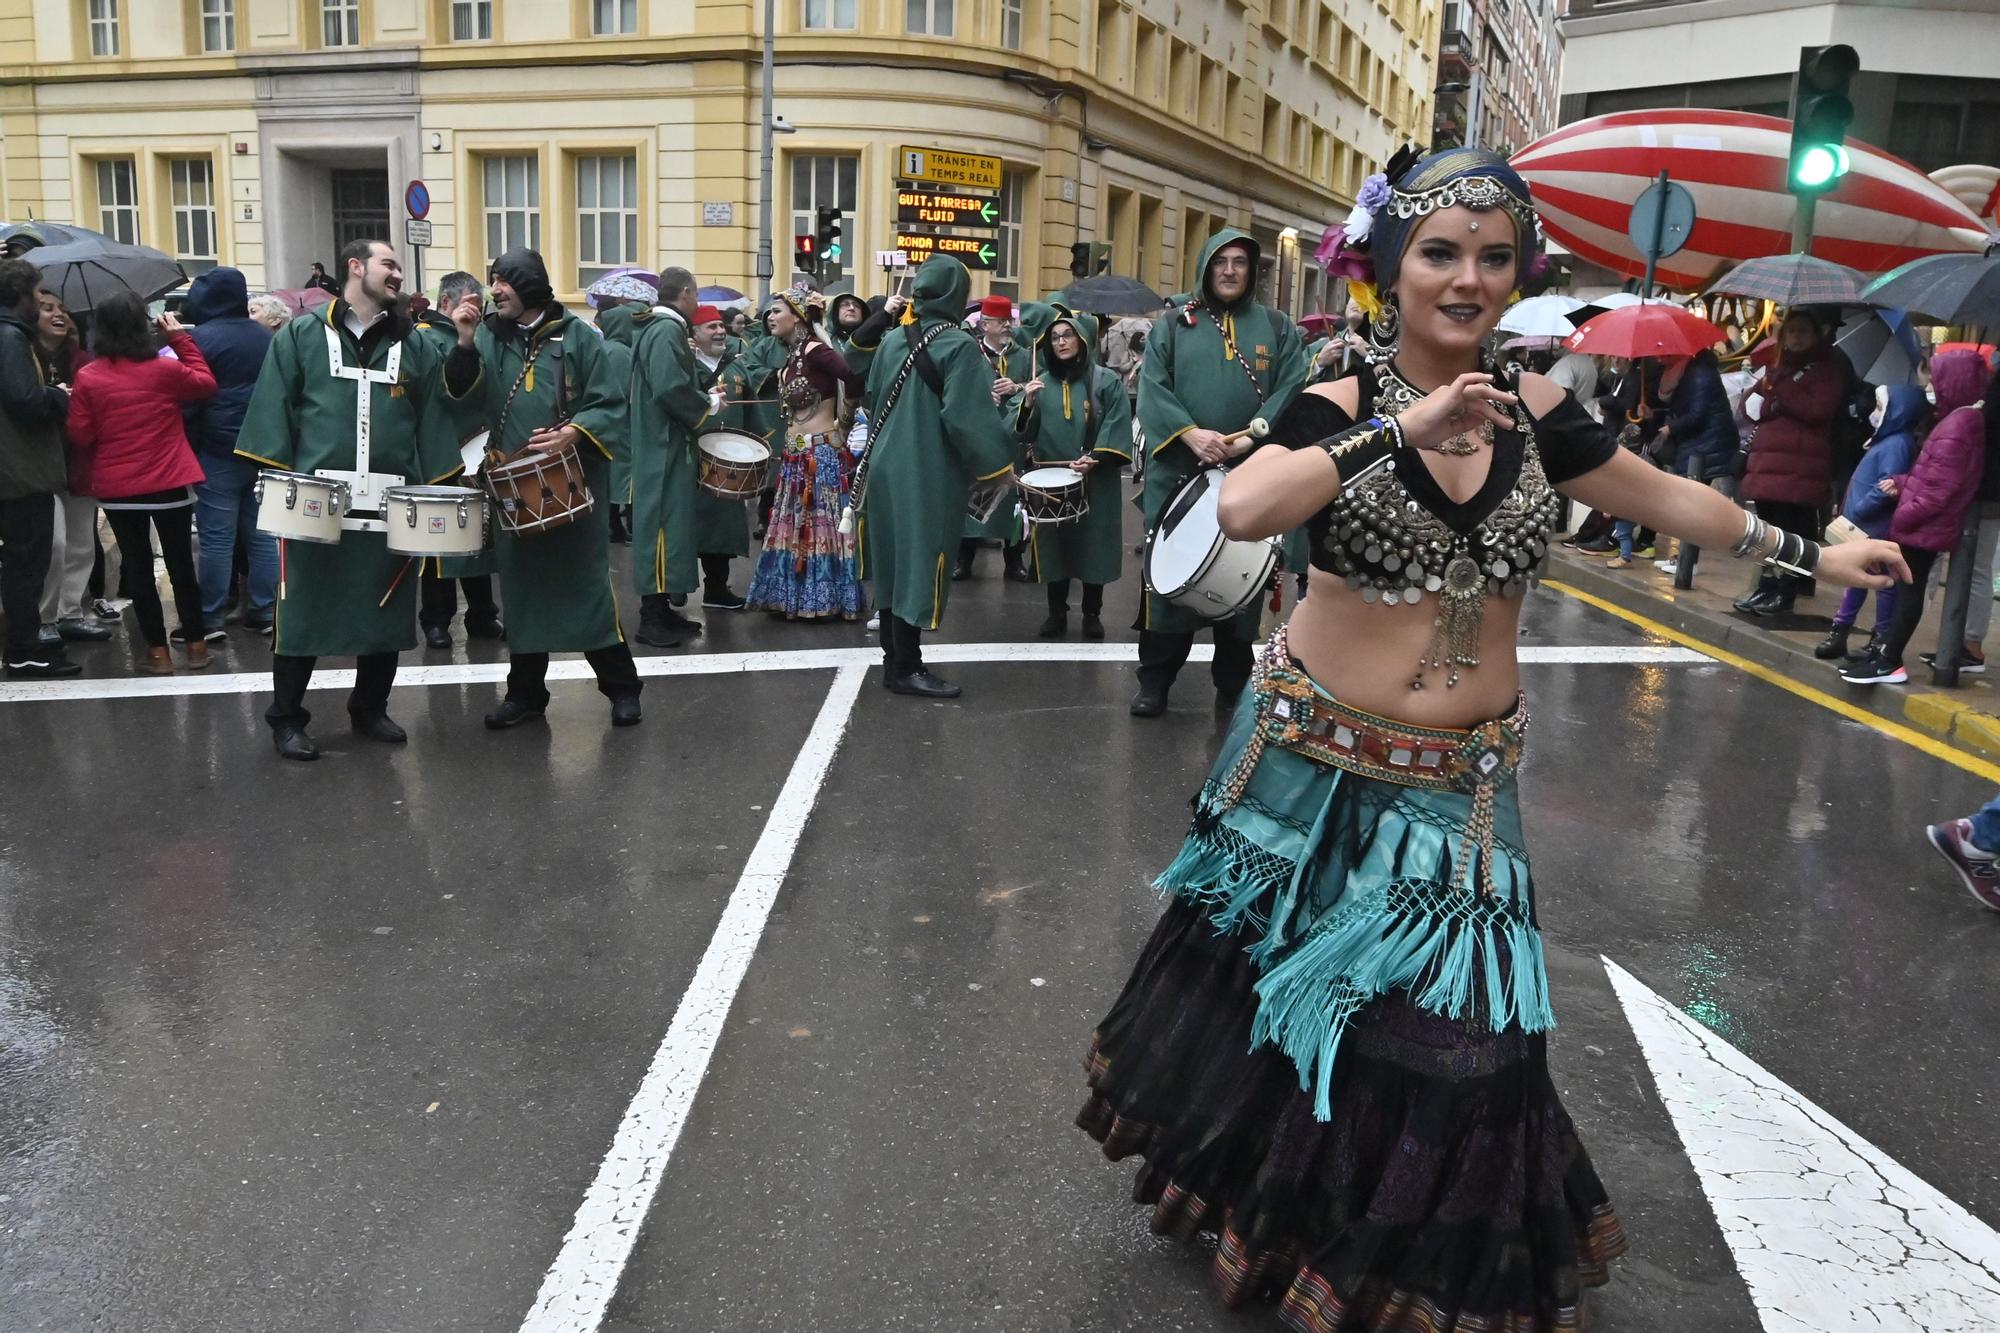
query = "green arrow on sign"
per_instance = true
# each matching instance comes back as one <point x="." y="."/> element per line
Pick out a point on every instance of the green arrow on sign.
<point x="986" y="253"/>
<point x="987" y="212"/>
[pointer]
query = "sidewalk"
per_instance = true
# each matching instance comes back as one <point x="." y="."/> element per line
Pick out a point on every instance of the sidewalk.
<point x="1967" y="717"/>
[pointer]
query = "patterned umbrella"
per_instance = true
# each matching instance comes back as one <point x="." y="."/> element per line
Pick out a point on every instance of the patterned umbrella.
<point x="1944" y="289"/>
<point x="302" y="299"/>
<point x="1586" y="177"/>
<point x="719" y="295"/>
<point x="1656" y="328"/>
<point x="626" y="285"/>
<point x="1792" y="280"/>
<point x="1541" y="317"/>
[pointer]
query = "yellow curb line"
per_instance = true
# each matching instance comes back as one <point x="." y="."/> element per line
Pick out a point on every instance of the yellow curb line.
<point x="1930" y="745"/>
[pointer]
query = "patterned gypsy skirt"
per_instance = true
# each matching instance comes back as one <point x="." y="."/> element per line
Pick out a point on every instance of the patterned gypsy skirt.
<point x="809" y="569"/>
<point x="1331" y="1054"/>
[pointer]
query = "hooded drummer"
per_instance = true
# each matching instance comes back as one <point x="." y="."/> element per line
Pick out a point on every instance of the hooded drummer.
<point x="356" y="380"/>
<point x="546" y="385"/>
<point x="1074" y="415"/>
<point x="1012" y="357"/>
<point x="669" y="408"/>
<point x="721" y="523"/>
<point x="1215" y="362"/>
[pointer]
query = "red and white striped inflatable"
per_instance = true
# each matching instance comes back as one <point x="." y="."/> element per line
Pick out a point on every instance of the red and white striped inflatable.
<point x="1587" y="176"/>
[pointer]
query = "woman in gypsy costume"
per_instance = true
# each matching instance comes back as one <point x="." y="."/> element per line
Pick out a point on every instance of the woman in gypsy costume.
<point x="809" y="569"/>
<point x="1331" y="1051"/>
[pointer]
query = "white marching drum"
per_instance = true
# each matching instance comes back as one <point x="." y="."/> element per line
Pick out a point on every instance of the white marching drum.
<point x="1053" y="495"/>
<point x="734" y="464"/>
<point x="299" y="507"/>
<point x="1191" y="564"/>
<point x="435" y="520"/>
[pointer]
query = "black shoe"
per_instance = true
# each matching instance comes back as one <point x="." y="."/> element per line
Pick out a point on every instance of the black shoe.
<point x="677" y="599"/>
<point x="722" y="599"/>
<point x="1875" y="644"/>
<point x="1597" y="547"/>
<point x="48" y="636"/>
<point x="293" y="743"/>
<point x="510" y="713"/>
<point x="961" y="571"/>
<point x="437" y="637"/>
<point x="180" y="636"/>
<point x="1967" y="666"/>
<point x="625" y="712"/>
<point x="35" y="668"/>
<point x="485" y="629"/>
<point x="1017" y="572"/>
<point x="378" y="727"/>
<point x="103" y="609"/>
<point x="259" y="626"/>
<point x="75" y="629"/>
<point x="1759" y="601"/>
<point x="1874" y="669"/>
<point x="1226" y="700"/>
<point x="1148" y="702"/>
<point x="1834" y="644"/>
<point x="1055" y="626"/>
<point x="924" y="685"/>
<point x="1093" y="627"/>
<point x="663" y="627"/>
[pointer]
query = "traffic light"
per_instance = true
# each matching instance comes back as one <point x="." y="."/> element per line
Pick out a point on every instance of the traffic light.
<point x="805" y="254"/>
<point x="1079" y="260"/>
<point x="828" y="234"/>
<point x="1821" y="114"/>
<point x="1100" y="256"/>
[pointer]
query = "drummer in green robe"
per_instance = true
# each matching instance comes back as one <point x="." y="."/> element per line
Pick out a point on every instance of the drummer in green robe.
<point x="617" y="320"/>
<point x="721" y="523"/>
<point x="926" y="450"/>
<point x="546" y="385"/>
<point x="669" y="407"/>
<point x="1075" y="414"/>
<point x="356" y="380"/>
<point x="1214" y="362"/>
<point x="440" y="577"/>
<point x="1012" y="357"/>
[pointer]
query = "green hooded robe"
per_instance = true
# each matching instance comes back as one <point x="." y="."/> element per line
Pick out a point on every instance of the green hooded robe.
<point x="556" y="585"/>
<point x="620" y="332"/>
<point x="302" y="418"/>
<point x="762" y="357"/>
<point x="1017" y="363"/>
<point x="722" y="526"/>
<point x="443" y="334"/>
<point x="929" y="451"/>
<point x="1191" y="378"/>
<point x="668" y="409"/>
<point x="1085" y="414"/>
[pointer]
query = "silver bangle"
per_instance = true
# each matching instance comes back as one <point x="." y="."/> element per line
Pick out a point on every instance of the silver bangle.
<point x="1753" y="538"/>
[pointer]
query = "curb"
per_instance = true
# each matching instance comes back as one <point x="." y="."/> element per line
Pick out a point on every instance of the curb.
<point x="1954" y="717"/>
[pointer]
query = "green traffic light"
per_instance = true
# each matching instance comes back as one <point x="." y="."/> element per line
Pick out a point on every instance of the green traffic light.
<point x="1820" y="165"/>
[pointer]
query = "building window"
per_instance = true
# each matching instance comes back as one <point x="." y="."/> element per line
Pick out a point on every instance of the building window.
<point x="103" y="27"/>
<point x="191" y="187"/>
<point x="607" y="215"/>
<point x="513" y="203"/>
<point x="829" y="13"/>
<point x="472" y="20"/>
<point x="1007" y="268"/>
<point x="824" y="180"/>
<point x="118" y="199"/>
<point x="340" y="22"/>
<point x="611" y="18"/>
<point x="1925" y="133"/>
<point x="1010" y="23"/>
<point x="928" y="18"/>
<point x="218" y="25"/>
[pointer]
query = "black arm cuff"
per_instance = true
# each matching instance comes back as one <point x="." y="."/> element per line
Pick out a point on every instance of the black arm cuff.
<point x="461" y="370"/>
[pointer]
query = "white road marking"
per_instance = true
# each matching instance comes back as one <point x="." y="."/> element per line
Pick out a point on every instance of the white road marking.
<point x="709" y="664"/>
<point x="1830" y="1233"/>
<point x="580" y="1284"/>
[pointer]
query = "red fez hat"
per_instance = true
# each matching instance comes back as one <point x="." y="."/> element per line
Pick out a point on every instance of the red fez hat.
<point x="706" y="314"/>
<point x="996" y="307"/>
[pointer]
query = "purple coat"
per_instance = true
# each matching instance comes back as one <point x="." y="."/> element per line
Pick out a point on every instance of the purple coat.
<point x="1933" y="499"/>
<point x="1791" y="456"/>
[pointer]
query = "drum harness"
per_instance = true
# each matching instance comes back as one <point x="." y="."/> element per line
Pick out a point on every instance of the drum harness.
<point x="494" y="455"/>
<point x="362" y="479"/>
<point x="857" y="489"/>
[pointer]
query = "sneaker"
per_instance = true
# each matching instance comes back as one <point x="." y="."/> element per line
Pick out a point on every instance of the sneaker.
<point x="1618" y="562"/>
<point x="180" y="636"/>
<point x="1967" y="665"/>
<point x="49" y="636"/>
<point x="875" y="622"/>
<point x="1980" y="870"/>
<point x="38" y="669"/>
<point x="105" y="609"/>
<point x="722" y="599"/>
<point x="1645" y="553"/>
<point x="1599" y="547"/>
<point x="1667" y="566"/>
<point x="1873" y="670"/>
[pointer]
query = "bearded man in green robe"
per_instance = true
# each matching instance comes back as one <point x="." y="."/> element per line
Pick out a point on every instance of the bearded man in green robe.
<point x="1216" y="361"/>
<point x="546" y="384"/>
<point x="358" y="392"/>
<point x="668" y="409"/>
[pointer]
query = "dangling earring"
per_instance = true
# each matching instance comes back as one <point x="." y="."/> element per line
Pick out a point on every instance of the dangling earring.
<point x="1386" y="328"/>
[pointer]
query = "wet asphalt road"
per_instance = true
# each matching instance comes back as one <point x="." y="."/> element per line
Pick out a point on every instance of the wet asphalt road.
<point x="340" y="1046"/>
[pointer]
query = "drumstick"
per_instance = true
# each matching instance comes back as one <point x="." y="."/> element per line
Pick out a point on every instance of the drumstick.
<point x="1257" y="429"/>
<point x="396" y="582"/>
<point x="281" y="571"/>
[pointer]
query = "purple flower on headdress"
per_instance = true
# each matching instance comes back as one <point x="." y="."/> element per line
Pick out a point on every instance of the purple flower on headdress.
<point x="1374" y="192"/>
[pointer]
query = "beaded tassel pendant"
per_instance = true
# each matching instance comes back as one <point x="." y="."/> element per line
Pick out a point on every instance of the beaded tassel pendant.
<point x="1455" y="631"/>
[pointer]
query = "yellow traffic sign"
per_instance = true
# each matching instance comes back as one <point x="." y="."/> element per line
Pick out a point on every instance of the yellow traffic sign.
<point x="970" y="170"/>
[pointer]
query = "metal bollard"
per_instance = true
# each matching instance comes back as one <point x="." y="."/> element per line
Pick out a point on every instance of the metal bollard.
<point x="1684" y="566"/>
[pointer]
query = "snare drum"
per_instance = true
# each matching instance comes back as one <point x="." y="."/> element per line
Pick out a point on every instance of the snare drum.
<point x="1053" y="495"/>
<point x="538" y="490"/>
<point x="734" y="464"/>
<point x="1191" y="564"/>
<point x="435" y="520"/>
<point x="983" y="500"/>
<point x="299" y="507"/>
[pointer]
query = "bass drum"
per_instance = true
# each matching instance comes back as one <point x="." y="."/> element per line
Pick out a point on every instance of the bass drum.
<point x="1191" y="564"/>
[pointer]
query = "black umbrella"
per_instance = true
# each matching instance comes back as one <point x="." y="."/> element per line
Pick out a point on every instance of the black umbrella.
<point x="1110" y="294"/>
<point x="82" y="273"/>
<point x="1943" y="289"/>
<point x="47" y="233"/>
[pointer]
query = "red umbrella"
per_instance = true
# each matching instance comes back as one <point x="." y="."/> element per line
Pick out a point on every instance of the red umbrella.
<point x="1657" y="328"/>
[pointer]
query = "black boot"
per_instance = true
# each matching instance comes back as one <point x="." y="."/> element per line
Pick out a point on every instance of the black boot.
<point x="1834" y="644"/>
<point x="1755" y="601"/>
<point x="1093" y="610"/>
<point x="293" y="743"/>
<point x="962" y="571"/>
<point x="1876" y="641"/>
<point x="1017" y="564"/>
<point x="662" y="626"/>
<point x="1785" y="590"/>
<point x="1057" y="623"/>
<point x="910" y="677"/>
<point x="511" y="713"/>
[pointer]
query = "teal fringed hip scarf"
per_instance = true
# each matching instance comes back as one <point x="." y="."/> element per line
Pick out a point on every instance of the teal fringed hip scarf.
<point x="1366" y="856"/>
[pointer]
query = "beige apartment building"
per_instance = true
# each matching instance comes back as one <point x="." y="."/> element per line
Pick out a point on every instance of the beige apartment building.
<point x="266" y="133"/>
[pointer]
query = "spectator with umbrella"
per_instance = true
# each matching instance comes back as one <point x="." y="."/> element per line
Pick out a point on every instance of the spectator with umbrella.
<point x="73" y="547"/>
<point x="1789" y="474"/>
<point x="33" y="471"/>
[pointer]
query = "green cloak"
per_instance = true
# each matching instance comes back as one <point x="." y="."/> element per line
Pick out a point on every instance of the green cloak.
<point x="1191" y="378"/>
<point x="1087" y="413"/>
<point x="931" y="449"/>
<point x="556" y="585"/>
<point x="620" y="332"/>
<point x="1016" y="363"/>
<point x="761" y="359"/>
<point x="668" y="409"/>
<point x="302" y="418"/>
<point x="722" y="526"/>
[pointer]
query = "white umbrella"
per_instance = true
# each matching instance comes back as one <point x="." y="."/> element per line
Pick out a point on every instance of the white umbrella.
<point x="1541" y="316"/>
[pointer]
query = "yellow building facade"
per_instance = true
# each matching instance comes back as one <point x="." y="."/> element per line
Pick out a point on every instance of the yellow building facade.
<point x="264" y="133"/>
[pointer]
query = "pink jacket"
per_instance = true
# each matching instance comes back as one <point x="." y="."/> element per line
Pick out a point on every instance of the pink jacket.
<point x="124" y="425"/>
<point x="1933" y="499"/>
